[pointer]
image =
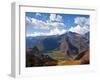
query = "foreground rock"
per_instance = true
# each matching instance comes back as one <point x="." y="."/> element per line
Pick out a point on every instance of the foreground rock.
<point x="35" y="58"/>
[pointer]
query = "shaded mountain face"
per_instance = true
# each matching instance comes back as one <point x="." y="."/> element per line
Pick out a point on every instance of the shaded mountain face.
<point x="70" y="43"/>
<point x="33" y="41"/>
<point x="51" y="43"/>
<point x="87" y="35"/>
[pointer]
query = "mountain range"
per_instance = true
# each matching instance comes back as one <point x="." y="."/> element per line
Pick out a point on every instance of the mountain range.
<point x="71" y="44"/>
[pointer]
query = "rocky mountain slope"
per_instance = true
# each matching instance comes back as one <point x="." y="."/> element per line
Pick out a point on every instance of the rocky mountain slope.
<point x="69" y="46"/>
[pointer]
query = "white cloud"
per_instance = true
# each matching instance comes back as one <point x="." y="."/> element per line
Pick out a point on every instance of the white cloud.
<point x="36" y="24"/>
<point x="38" y="14"/>
<point x="54" y="25"/>
<point x="36" y="34"/>
<point x="54" y="21"/>
<point x="59" y="18"/>
<point x="55" y="31"/>
<point x="79" y="30"/>
<point x="28" y="20"/>
<point x="52" y="17"/>
<point x="55" y="17"/>
<point x="82" y="25"/>
<point x="82" y="21"/>
<point x="39" y="24"/>
<point x="58" y="25"/>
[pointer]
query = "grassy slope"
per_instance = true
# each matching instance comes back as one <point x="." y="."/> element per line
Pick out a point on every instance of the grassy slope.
<point x="62" y="60"/>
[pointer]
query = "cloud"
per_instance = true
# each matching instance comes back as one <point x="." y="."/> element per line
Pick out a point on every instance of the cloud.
<point x="39" y="24"/>
<point x="59" y="18"/>
<point x="28" y="20"/>
<point x="52" y="17"/>
<point x="55" y="17"/>
<point x="82" y="25"/>
<point x="54" y="28"/>
<point x="58" y="25"/>
<point x="38" y="14"/>
<point x="53" y="21"/>
<point x="79" y="30"/>
<point x="55" y="31"/>
<point x="35" y="34"/>
<point x="82" y="21"/>
<point x="36" y="24"/>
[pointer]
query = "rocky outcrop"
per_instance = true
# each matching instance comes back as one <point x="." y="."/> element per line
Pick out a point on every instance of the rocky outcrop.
<point x="35" y="58"/>
<point x="84" y="57"/>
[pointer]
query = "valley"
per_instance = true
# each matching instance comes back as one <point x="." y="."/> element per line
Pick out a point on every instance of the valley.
<point x="57" y="50"/>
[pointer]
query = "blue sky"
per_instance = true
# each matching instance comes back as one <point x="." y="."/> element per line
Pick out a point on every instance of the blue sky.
<point x="39" y="24"/>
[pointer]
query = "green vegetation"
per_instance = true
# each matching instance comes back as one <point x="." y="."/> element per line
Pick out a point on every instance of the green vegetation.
<point x="62" y="58"/>
<point x="57" y="55"/>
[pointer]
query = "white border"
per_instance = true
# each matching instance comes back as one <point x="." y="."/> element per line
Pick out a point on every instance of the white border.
<point x="21" y="70"/>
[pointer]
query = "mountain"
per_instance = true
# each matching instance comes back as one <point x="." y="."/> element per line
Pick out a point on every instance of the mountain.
<point x="35" y="41"/>
<point x="75" y="43"/>
<point x="51" y="43"/>
<point x="71" y="44"/>
<point x="87" y="35"/>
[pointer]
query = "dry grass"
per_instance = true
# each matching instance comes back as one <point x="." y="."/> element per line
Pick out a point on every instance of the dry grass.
<point x="69" y="62"/>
